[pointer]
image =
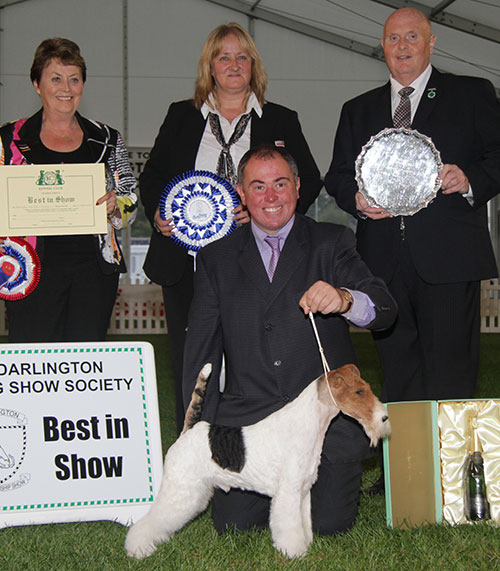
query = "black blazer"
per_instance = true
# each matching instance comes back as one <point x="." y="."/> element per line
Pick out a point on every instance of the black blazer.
<point x="269" y="345"/>
<point x="449" y="240"/>
<point x="175" y="152"/>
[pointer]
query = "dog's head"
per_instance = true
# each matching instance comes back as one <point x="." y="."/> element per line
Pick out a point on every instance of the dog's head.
<point x="354" y="397"/>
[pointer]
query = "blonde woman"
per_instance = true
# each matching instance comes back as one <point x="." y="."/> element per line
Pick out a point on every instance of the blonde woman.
<point x="227" y="115"/>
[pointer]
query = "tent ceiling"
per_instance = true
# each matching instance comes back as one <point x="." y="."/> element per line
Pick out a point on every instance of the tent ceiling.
<point x="4" y="3"/>
<point x="468" y="31"/>
<point x="438" y="15"/>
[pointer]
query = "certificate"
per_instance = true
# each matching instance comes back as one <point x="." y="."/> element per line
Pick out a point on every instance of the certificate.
<point x="57" y="199"/>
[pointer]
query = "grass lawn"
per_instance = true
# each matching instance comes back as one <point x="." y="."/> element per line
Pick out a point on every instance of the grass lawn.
<point x="370" y="544"/>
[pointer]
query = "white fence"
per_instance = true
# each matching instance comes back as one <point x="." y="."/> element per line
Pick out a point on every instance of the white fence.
<point x="490" y="306"/>
<point x="139" y="310"/>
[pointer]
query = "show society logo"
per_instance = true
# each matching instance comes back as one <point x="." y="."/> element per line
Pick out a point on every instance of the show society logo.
<point x="50" y="178"/>
<point x="13" y="435"/>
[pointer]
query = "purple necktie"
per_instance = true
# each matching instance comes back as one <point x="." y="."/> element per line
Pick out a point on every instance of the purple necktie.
<point x="274" y="242"/>
<point x="402" y="114"/>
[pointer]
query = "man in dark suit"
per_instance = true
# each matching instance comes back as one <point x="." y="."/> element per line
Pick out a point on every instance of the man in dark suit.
<point x="259" y="322"/>
<point x="434" y="260"/>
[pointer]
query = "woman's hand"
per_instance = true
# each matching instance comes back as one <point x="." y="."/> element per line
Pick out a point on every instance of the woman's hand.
<point x="165" y="227"/>
<point x="111" y="203"/>
<point x="241" y="215"/>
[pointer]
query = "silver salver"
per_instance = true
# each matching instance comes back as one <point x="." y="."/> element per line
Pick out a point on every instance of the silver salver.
<point x="398" y="170"/>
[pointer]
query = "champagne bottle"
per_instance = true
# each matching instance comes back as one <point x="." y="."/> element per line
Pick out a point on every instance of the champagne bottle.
<point x="476" y="504"/>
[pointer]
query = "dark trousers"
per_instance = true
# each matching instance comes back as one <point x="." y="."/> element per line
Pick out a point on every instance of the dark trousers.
<point x="177" y="299"/>
<point x="70" y="303"/>
<point x="432" y="350"/>
<point x="334" y="502"/>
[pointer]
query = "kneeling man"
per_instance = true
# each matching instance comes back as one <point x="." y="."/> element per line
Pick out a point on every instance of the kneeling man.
<point x="253" y="291"/>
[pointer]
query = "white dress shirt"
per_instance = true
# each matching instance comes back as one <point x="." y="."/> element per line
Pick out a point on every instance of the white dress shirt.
<point x="209" y="149"/>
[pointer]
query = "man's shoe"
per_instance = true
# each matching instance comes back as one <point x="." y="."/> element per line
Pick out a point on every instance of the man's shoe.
<point x="377" y="488"/>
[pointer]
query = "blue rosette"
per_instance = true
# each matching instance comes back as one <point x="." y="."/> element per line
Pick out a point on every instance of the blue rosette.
<point x="201" y="206"/>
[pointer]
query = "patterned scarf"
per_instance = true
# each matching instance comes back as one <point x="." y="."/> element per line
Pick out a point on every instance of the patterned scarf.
<point x="225" y="164"/>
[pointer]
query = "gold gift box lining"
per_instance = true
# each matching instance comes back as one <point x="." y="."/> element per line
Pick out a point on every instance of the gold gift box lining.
<point x="455" y="444"/>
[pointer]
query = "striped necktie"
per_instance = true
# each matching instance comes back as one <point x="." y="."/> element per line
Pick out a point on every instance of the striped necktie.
<point x="274" y="243"/>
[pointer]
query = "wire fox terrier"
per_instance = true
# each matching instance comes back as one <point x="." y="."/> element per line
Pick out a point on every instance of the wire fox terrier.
<point x="278" y="456"/>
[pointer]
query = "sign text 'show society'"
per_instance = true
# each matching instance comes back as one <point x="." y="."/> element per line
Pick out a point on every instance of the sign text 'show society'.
<point x="50" y="376"/>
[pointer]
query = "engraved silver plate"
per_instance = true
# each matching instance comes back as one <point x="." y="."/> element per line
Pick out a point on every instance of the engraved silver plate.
<point x="398" y="170"/>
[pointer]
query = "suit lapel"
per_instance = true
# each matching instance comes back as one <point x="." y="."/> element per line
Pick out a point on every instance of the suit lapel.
<point x="192" y="133"/>
<point x="291" y="257"/>
<point x="430" y="98"/>
<point x="251" y="263"/>
<point x="260" y="128"/>
<point x="383" y="119"/>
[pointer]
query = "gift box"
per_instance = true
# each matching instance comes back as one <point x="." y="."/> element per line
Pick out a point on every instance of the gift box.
<point x="425" y="456"/>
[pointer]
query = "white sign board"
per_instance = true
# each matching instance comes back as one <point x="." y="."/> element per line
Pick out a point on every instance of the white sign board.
<point x="79" y="432"/>
<point x="138" y="157"/>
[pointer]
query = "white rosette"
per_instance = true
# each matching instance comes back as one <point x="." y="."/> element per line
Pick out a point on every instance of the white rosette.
<point x="19" y="268"/>
<point x="201" y="206"/>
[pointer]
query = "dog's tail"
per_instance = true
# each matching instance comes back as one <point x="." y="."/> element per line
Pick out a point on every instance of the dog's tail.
<point x="193" y="412"/>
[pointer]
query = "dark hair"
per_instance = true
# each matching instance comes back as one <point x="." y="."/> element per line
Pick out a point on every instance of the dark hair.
<point x="56" y="48"/>
<point x="267" y="151"/>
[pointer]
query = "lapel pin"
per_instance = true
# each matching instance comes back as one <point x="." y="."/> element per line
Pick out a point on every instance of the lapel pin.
<point x="431" y="93"/>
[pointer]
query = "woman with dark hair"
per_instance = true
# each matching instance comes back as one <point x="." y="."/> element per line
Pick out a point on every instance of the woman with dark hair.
<point x="79" y="278"/>
<point x="211" y="132"/>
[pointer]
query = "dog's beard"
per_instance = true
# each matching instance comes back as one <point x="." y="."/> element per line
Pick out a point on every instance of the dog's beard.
<point x="376" y="431"/>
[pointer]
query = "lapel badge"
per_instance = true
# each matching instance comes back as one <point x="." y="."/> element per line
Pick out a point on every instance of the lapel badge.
<point x="431" y="93"/>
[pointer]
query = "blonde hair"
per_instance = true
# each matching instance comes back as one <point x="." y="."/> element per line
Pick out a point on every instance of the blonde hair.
<point x="205" y="84"/>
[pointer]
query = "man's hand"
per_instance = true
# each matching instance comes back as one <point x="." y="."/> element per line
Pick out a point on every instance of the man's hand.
<point x="323" y="298"/>
<point x="453" y="179"/>
<point x="373" y="212"/>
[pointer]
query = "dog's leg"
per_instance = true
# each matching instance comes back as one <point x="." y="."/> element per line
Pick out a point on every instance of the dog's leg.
<point x="179" y="501"/>
<point x="307" y="518"/>
<point x="286" y="523"/>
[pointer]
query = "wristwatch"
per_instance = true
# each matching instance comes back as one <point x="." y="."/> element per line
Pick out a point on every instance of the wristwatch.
<point x="348" y="298"/>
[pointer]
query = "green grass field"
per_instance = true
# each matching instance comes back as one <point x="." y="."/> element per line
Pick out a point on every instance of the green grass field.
<point x="370" y="544"/>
